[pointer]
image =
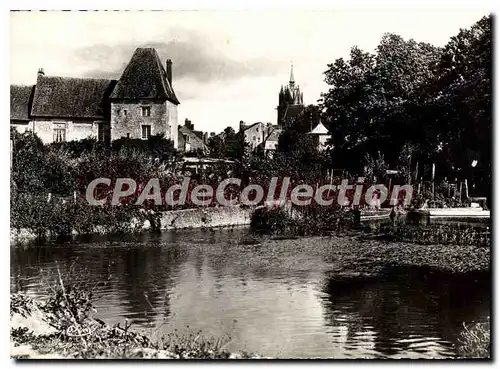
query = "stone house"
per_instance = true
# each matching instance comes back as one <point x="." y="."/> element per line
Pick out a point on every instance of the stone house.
<point x="192" y="140"/>
<point x="139" y="104"/>
<point x="263" y="136"/>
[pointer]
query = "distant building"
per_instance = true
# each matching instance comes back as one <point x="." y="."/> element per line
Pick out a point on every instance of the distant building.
<point x="139" y="104"/>
<point x="291" y="101"/>
<point x="261" y="135"/>
<point x="321" y="135"/>
<point x="192" y="140"/>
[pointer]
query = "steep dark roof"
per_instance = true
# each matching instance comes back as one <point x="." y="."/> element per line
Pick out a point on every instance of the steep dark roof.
<point x="293" y="110"/>
<point x="144" y="78"/>
<point x="71" y="97"/>
<point x="20" y="97"/>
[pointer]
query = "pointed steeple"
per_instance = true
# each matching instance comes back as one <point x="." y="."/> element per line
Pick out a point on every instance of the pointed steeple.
<point x="292" y="80"/>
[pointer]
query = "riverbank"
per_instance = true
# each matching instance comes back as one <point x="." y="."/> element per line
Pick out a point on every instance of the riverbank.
<point x="52" y="330"/>
<point x="207" y="217"/>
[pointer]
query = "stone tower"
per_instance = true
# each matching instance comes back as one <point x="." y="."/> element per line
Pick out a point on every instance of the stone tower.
<point x="143" y="102"/>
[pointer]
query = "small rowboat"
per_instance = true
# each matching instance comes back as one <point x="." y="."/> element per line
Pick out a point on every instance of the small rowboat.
<point x="375" y="214"/>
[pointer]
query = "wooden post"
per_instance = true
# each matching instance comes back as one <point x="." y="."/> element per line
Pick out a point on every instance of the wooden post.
<point x="416" y="173"/>
<point x="460" y="194"/>
<point x="466" y="189"/>
<point x="433" y="176"/>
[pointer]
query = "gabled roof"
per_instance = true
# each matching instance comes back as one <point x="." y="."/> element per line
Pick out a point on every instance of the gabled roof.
<point x="183" y="130"/>
<point x="20" y="97"/>
<point x="319" y="130"/>
<point x="247" y="127"/>
<point x="144" y="77"/>
<point x="71" y="97"/>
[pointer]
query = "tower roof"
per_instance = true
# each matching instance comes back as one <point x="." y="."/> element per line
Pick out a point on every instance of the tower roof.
<point x="319" y="130"/>
<point x="144" y="77"/>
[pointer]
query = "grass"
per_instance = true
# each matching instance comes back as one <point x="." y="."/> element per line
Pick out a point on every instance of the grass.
<point x="475" y="341"/>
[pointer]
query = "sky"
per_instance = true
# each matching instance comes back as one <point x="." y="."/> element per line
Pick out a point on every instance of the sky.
<point x="227" y="65"/>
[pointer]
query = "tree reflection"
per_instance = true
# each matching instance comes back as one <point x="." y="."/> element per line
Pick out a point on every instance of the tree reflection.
<point x="404" y="304"/>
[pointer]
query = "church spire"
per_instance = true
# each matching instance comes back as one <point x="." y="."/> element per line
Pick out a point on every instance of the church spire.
<point x="292" y="80"/>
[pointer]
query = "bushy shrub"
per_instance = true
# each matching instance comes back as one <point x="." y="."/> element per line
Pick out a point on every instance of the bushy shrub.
<point x="302" y="221"/>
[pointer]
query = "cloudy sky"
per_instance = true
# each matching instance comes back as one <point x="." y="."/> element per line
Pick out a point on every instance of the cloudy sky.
<point x="227" y="65"/>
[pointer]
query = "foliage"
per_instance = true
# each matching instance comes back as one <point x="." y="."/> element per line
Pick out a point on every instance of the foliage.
<point x="442" y="234"/>
<point x="375" y="167"/>
<point x="57" y="218"/>
<point x="475" y="341"/>
<point x="156" y="147"/>
<point x="228" y="145"/>
<point x="45" y="177"/>
<point x="436" y="101"/>
<point x="301" y="221"/>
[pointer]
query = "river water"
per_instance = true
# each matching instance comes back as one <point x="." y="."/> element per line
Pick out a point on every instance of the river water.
<point x="279" y="298"/>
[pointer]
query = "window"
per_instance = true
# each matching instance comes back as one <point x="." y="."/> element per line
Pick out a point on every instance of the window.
<point x="125" y="112"/>
<point x="186" y="138"/>
<point x="59" y="132"/>
<point x="103" y="132"/>
<point x="146" y="132"/>
<point x="146" y="111"/>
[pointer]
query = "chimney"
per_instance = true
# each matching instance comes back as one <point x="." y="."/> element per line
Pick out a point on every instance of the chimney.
<point x="242" y="125"/>
<point x="41" y="72"/>
<point x="188" y="124"/>
<point x="169" y="71"/>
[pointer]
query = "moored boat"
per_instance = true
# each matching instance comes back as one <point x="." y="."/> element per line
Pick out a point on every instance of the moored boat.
<point x="370" y="214"/>
<point x="473" y="211"/>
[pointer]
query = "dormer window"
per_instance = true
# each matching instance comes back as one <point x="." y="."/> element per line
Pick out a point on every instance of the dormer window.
<point x="146" y="111"/>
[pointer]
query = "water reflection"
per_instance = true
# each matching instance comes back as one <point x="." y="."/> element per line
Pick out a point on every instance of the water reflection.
<point x="409" y="309"/>
<point x="275" y="297"/>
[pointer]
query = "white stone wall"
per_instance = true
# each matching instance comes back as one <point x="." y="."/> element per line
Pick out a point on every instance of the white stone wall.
<point x="74" y="130"/>
<point x="173" y="123"/>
